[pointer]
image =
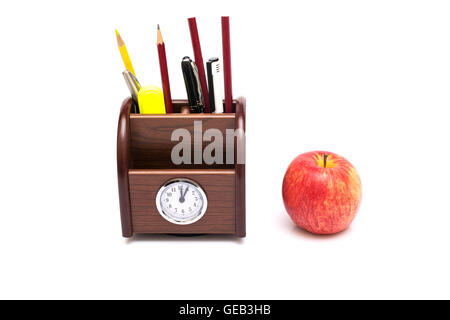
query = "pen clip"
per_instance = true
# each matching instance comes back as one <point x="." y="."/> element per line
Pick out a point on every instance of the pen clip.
<point x="133" y="84"/>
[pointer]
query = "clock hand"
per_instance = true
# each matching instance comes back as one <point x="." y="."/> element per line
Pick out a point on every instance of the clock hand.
<point x="181" y="194"/>
<point x="185" y="192"/>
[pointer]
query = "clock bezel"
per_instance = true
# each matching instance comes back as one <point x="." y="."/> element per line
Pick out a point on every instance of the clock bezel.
<point x="195" y="185"/>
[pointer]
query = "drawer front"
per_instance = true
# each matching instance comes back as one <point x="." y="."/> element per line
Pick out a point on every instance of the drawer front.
<point x="219" y="186"/>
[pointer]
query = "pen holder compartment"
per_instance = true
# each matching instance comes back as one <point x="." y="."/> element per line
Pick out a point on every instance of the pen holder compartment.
<point x="144" y="163"/>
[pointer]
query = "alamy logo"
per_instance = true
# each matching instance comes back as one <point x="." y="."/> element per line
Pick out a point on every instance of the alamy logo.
<point x="214" y="152"/>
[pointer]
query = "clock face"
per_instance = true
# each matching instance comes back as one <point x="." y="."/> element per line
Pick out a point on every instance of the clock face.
<point x="181" y="201"/>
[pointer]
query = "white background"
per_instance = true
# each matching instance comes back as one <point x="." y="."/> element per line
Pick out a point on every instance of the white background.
<point x="369" y="80"/>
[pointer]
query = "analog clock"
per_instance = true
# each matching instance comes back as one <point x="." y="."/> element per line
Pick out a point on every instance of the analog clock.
<point x="181" y="201"/>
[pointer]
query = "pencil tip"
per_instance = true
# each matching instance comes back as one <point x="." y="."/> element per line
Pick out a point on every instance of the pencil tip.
<point x="159" y="38"/>
<point x="119" y="39"/>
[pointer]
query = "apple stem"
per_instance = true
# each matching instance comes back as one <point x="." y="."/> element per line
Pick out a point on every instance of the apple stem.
<point x="325" y="156"/>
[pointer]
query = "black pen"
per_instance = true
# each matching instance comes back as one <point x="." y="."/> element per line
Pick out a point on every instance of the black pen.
<point x="193" y="87"/>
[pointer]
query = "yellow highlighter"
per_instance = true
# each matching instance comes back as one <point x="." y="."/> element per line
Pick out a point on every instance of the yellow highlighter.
<point x="151" y="100"/>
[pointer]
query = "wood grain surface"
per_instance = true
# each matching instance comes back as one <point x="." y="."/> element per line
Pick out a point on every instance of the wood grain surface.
<point x="144" y="164"/>
<point x="240" y="171"/>
<point x="151" y="144"/>
<point x="123" y="164"/>
<point x="219" y="186"/>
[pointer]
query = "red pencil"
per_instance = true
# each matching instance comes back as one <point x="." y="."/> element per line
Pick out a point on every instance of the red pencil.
<point x="164" y="72"/>
<point x="227" y="64"/>
<point x="199" y="60"/>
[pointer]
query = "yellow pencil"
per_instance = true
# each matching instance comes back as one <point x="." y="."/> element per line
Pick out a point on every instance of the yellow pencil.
<point x="124" y="54"/>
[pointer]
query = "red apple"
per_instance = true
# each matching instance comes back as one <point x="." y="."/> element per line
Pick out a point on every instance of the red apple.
<point x="321" y="192"/>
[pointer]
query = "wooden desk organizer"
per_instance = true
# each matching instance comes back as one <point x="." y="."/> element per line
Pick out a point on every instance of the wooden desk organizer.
<point x="144" y="164"/>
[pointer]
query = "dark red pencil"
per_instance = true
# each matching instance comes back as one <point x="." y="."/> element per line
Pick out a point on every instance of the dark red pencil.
<point x="199" y="60"/>
<point x="164" y="72"/>
<point x="227" y="64"/>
